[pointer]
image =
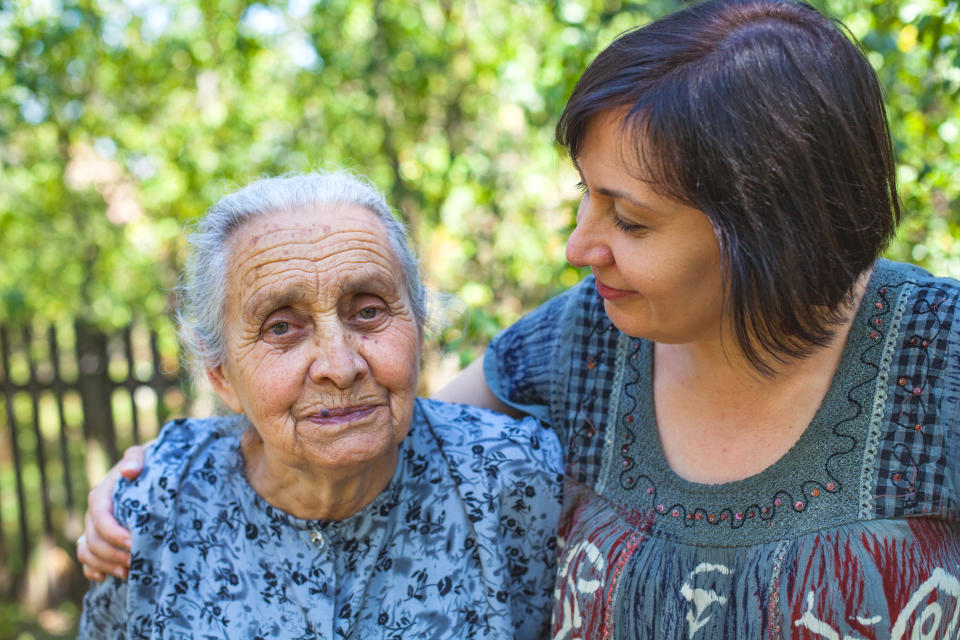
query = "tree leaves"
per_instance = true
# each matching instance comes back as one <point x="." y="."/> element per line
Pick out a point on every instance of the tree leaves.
<point x="123" y="121"/>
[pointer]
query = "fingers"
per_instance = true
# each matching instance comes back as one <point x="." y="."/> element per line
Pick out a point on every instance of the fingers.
<point x="101" y="526"/>
<point x="106" y="555"/>
<point x="131" y="464"/>
<point x="103" y="549"/>
<point x="93" y="576"/>
<point x="83" y="555"/>
<point x="91" y="552"/>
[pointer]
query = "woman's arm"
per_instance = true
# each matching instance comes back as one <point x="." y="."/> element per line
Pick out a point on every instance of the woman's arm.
<point x="104" y="547"/>
<point x="470" y="387"/>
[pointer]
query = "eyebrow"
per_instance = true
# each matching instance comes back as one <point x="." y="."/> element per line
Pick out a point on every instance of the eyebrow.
<point x="259" y="302"/>
<point x="616" y="193"/>
<point x="623" y="195"/>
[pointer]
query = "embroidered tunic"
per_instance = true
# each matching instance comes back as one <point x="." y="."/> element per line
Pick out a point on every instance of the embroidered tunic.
<point x="852" y="534"/>
<point x="461" y="544"/>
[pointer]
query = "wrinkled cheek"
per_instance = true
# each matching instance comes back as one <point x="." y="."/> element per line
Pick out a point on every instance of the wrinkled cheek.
<point x="272" y="393"/>
<point x="404" y="389"/>
<point x="402" y="398"/>
<point x="395" y="362"/>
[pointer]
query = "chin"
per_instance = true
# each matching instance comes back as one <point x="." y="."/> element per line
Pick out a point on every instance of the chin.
<point x="356" y="453"/>
<point x="625" y="321"/>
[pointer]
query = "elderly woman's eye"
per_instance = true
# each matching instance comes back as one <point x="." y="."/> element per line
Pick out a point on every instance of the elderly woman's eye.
<point x="368" y="313"/>
<point x="279" y="328"/>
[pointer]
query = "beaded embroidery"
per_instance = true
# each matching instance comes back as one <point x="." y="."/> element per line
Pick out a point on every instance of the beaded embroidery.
<point x="911" y="460"/>
<point x="903" y="460"/>
<point x="797" y="500"/>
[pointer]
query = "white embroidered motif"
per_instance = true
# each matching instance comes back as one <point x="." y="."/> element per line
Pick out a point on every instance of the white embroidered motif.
<point x="701" y="598"/>
<point x="581" y="573"/>
<point x="928" y="624"/>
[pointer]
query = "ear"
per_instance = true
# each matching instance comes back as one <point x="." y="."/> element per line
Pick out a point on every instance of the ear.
<point x="223" y="387"/>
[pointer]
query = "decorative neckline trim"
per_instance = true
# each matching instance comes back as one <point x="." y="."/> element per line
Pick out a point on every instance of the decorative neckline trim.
<point x="818" y="480"/>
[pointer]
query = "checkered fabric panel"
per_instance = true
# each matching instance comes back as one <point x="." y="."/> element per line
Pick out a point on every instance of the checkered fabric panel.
<point x="912" y="461"/>
<point x="523" y="357"/>
<point x="561" y="357"/>
<point x="585" y="400"/>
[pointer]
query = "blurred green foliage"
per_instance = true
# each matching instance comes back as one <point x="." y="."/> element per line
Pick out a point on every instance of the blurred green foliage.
<point x="56" y="623"/>
<point x="122" y="120"/>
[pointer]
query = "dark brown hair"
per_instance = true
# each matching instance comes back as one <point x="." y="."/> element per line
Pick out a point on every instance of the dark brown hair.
<point x="766" y="116"/>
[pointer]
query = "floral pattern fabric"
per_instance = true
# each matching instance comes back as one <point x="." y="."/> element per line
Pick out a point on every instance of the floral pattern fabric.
<point x="461" y="544"/>
<point x="853" y="534"/>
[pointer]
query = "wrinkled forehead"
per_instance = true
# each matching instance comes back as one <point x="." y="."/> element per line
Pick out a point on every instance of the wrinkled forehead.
<point x="324" y="247"/>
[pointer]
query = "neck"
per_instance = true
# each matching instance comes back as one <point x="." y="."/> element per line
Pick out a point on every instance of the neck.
<point x="314" y="494"/>
<point x="720" y="363"/>
<point x="720" y="420"/>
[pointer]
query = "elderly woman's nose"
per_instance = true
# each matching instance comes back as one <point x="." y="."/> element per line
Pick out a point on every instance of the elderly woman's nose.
<point x="336" y="359"/>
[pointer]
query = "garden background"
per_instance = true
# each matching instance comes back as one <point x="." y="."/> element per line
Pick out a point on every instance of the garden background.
<point x="121" y="121"/>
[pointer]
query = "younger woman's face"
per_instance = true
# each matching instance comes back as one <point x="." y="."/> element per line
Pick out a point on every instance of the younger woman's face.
<point x="656" y="261"/>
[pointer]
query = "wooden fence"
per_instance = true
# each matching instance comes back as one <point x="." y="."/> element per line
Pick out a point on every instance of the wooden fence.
<point x="72" y="399"/>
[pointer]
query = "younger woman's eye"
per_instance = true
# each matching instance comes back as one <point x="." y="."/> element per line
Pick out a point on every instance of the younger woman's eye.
<point x="627" y="227"/>
<point x="582" y="186"/>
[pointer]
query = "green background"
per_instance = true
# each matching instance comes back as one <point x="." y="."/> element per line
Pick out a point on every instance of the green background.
<point x="120" y="122"/>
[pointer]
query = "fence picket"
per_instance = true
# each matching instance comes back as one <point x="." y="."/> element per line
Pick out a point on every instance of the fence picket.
<point x="58" y="390"/>
<point x="93" y="384"/>
<point x="8" y="395"/>
<point x="39" y="452"/>
<point x="131" y="382"/>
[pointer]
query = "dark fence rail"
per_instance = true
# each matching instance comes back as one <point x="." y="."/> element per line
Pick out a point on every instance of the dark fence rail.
<point x="73" y="398"/>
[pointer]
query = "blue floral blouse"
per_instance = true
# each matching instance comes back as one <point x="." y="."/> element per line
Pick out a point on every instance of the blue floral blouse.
<point x="854" y="534"/>
<point x="461" y="544"/>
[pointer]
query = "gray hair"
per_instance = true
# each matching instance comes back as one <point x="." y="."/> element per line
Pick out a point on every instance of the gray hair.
<point x="202" y="288"/>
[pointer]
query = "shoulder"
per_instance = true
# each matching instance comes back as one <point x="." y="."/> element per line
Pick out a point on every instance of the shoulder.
<point x="579" y="304"/>
<point x="926" y="309"/>
<point x="916" y="466"/>
<point x="186" y="452"/>
<point x="946" y="290"/>
<point x="528" y="365"/>
<point x="507" y="476"/>
<point x="181" y="442"/>
<point x="465" y="433"/>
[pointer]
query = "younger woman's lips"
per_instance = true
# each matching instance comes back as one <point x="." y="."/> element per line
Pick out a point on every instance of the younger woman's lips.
<point x="609" y="293"/>
<point x="341" y="415"/>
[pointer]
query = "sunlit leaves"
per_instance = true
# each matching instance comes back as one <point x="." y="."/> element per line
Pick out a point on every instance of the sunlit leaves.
<point x="123" y="120"/>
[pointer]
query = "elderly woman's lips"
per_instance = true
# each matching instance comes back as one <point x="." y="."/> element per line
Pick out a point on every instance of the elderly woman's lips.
<point x="340" y="415"/>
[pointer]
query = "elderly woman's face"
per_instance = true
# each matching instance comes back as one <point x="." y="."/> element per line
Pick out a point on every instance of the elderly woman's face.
<point x="322" y="347"/>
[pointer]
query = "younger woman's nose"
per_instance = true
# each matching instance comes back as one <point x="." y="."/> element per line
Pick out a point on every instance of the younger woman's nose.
<point x="586" y="246"/>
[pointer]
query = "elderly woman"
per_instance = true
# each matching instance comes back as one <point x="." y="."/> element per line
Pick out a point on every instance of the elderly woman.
<point x="761" y="417"/>
<point x="334" y="504"/>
